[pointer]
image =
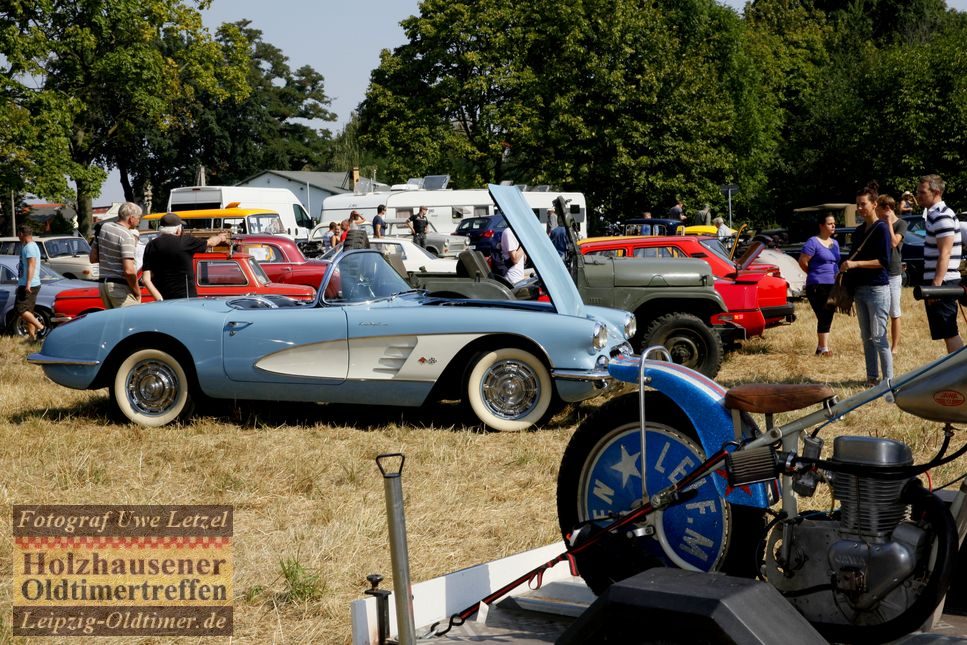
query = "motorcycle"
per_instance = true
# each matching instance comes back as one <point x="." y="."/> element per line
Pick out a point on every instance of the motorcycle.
<point x="872" y="570"/>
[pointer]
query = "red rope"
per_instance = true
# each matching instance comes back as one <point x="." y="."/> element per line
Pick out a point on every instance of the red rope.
<point x="537" y="573"/>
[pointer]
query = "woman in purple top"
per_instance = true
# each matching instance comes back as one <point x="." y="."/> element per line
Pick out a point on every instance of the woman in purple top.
<point x="819" y="258"/>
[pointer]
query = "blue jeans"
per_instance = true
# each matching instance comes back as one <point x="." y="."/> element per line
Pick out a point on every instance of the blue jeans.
<point x="873" y="312"/>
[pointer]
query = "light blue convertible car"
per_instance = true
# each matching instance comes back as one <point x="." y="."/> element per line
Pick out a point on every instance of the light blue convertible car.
<point x="368" y="339"/>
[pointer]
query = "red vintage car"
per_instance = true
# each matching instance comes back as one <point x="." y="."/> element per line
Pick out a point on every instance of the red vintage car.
<point x="755" y="295"/>
<point x="216" y="274"/>
<point x="282" y="260"/>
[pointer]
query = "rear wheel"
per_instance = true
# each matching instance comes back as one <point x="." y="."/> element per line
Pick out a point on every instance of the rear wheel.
<point x="600" y="479"/>
<point x="509" y="389"/>
<point x="690" y="342"/>
<point x="151" y="388"/>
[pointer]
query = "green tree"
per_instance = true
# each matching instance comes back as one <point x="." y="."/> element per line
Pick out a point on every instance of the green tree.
<point x="107" y="58"/>
<point x="633" y="103"/>
<point x="455" y="97"/>
<point x="260" y="116"/>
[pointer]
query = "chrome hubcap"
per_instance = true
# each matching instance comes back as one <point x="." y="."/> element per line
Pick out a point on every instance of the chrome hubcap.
<point x="152" y="387"/>
<point x="510" y="389"/>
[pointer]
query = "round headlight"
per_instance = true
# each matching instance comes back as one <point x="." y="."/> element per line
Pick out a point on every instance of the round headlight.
<point x="600" y="336"/>
<point x="631" y="326"/>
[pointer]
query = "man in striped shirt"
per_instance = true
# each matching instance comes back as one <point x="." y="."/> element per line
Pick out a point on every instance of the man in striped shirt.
<point x="114" y="249"/>
<point x="941" y="260"/>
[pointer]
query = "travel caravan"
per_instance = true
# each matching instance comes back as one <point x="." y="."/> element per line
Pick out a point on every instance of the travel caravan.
<point x="445" y="208"/>
<point x="280" y="200"/>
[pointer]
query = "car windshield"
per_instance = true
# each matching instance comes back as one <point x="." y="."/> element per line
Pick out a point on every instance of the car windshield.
<point x="361" y="276"/>
<point x="258" y="271"/>
<point x="49" y="275"/>
<point x="715" y="246"/>
<point x="67" y="246"/>
<point x="393" y="247"/>
<point x="266" y="223"/>
<point x="917" y="226"/>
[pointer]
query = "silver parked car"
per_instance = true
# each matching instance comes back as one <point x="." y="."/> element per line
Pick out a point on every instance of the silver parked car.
<point x="65" y="254"/>
<point x="51" y="284"/>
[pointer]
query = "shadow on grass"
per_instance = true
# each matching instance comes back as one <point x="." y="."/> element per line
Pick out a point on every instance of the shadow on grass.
<point x="443" y="415"/>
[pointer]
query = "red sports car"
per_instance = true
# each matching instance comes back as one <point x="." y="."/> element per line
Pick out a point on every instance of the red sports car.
<point x="216" y="274"/>
<point x="754" y="294"/>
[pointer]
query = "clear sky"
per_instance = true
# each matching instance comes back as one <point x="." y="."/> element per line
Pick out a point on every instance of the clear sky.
<point x="340" y="40"/>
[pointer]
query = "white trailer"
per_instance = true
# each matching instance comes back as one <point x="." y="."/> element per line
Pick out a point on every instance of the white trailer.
<point x="281" y="200"/>
<point x="445" y="208"/>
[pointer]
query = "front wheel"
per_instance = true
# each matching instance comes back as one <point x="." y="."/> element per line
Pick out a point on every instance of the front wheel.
<point x="509" y="389"/>
<point x="152" y="389"/>
<point x="600" y="479"/>
<point x="690" y="342"/>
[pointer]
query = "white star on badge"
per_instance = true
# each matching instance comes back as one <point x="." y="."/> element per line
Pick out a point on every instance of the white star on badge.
<point x="627" y="466"/>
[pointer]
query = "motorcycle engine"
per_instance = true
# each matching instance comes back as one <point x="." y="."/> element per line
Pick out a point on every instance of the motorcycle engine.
<point x="858" y="568"/>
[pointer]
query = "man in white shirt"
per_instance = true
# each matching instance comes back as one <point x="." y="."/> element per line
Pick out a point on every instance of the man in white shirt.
<point x="941" y="260"/>
<point x="514" y="256"/>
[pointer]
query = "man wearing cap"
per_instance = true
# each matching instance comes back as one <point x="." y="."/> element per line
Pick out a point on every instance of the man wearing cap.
<point x="169" y="260"/>
<point x="418" y="224"/>
<point x="114" y="250"/>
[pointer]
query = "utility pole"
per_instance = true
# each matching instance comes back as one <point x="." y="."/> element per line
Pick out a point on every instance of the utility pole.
<point x="13" y="213"/>
<point x="729" y="190"/>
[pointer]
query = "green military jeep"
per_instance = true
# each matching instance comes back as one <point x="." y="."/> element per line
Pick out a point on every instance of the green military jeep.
<point x="673" y="299"/>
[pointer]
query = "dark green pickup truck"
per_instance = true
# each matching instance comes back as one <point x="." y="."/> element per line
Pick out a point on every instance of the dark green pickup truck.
<point x="672" y="299"/>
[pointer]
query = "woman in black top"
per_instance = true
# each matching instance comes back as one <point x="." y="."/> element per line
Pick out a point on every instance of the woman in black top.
<point x="868" y="277"/>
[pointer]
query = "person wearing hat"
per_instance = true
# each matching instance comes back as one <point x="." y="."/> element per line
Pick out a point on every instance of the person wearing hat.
<point x="169" y="259"/>
<point x="906" y="204"/>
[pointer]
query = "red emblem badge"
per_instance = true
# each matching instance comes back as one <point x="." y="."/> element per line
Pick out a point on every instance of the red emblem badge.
<point x="949" y="398"/>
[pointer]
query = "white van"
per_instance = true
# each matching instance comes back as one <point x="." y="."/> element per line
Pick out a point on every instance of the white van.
<point x="445" y="208"/>
<point x="281" y="200"/>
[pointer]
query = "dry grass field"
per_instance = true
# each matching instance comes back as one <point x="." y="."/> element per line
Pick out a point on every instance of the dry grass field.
<point x="309" y="509"/>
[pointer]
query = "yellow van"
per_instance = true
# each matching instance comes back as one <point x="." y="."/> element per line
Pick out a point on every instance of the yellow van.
<point x="240" y="220"/>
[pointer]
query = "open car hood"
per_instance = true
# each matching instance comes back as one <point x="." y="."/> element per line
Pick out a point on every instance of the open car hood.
<point x="751" y="253"/>
<point x="533" y="237"/>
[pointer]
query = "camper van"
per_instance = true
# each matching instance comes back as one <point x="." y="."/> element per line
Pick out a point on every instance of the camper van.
<point x="445" y="208"/>
<point x="281" y="200"/>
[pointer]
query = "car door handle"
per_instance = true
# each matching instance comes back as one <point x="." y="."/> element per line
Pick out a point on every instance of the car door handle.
<point x="235" y="326"/>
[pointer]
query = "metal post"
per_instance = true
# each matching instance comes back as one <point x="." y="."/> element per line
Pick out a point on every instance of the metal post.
<point x="382" y="606"/>
<point x="393" y="487"/>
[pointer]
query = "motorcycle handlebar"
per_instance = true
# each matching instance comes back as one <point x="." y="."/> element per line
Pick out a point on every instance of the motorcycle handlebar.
<point x="953" y="291"/>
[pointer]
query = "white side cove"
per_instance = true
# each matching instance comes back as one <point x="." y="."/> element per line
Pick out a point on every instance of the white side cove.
<point x="439" y="598"/>
<point x="379" y="358"/>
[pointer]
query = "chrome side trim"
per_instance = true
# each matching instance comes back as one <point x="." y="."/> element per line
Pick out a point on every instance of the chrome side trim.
<point x="590" y="375"/>
<point x="40" y="359"/>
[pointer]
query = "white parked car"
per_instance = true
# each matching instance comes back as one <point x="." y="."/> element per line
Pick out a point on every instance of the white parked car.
<point x="438" y="244"/>
<point x="65" y="254"/>
<point x="414" y="258"/>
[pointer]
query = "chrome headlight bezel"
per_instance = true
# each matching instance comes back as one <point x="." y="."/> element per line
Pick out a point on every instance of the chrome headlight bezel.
<point x="599" y="338"/>
<point x="630" y="327"/>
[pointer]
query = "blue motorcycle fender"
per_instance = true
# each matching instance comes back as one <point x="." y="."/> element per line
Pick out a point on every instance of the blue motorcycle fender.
<point x="703" y="402"/>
